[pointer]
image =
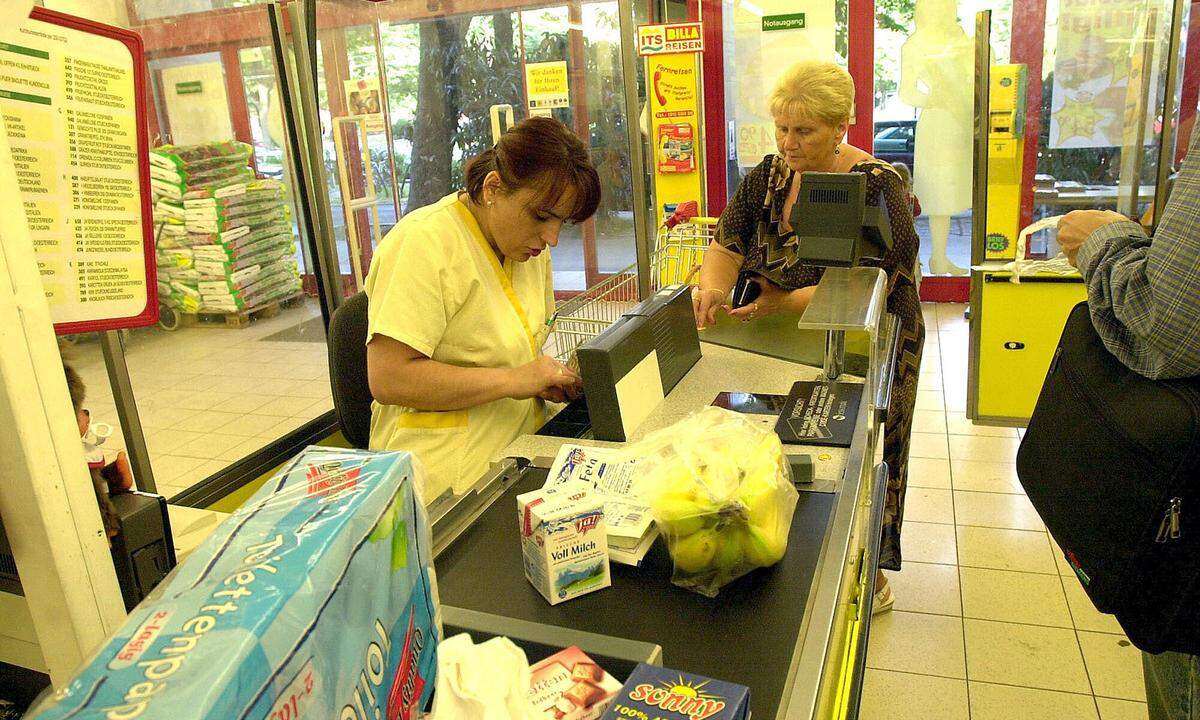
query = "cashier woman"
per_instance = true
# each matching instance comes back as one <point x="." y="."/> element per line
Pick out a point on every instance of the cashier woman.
<point x="812" y="104"/>
<point x="460" y="300"/>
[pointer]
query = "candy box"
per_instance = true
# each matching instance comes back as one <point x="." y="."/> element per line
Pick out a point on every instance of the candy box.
<point x="314" y="599"/>
<point x="659" y="693"/>
<point x="563" y="541"/>
<point x="569" y="685"/>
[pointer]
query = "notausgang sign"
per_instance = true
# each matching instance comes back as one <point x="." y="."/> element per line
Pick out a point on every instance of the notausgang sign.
<point x="794" y="21"/>
<point x="665" y="39"/>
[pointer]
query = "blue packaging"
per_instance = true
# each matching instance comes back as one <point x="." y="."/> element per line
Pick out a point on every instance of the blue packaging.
<point x="317" y="598"/>
<point x="658" y="693"/>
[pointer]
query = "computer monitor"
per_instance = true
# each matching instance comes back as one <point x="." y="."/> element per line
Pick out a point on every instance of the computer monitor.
<point x="834" y="224"/>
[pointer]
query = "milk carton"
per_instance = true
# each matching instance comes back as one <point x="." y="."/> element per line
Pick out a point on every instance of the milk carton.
<point x="563" y="541"/>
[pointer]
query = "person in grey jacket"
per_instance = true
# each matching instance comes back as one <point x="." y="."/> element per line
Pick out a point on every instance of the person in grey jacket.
<point x="1144" y="300"/>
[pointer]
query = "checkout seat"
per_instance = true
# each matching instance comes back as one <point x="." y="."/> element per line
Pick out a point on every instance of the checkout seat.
<point x="348" y="370"/>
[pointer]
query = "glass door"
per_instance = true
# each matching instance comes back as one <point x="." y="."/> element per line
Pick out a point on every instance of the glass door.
<point x="437" y="78"/>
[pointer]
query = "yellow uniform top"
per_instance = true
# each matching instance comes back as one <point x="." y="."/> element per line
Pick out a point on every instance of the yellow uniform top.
<point x="437" y="286"/>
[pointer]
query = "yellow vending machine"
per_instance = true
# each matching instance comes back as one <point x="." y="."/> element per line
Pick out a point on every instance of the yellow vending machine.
<point x="1006" y="152"/>
<point x="1015" y="326"/>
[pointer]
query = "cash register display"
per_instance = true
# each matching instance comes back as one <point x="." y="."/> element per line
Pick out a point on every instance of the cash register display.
<point x="835" y="226"/>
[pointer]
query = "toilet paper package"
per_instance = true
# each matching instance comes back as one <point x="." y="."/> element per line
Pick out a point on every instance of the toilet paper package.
<point x="316" y="599"/>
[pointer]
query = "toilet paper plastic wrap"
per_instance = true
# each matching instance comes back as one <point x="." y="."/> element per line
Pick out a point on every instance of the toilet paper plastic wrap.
<point x="316" y="598"/>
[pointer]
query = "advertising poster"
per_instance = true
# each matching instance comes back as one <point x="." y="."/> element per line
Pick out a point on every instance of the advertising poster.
<point x="674" y="97"/>
<point x="1092" y="71"/>
<point x="546" y="84"/>
<point x="69" y="96"/>
<point x="364" y="97"/>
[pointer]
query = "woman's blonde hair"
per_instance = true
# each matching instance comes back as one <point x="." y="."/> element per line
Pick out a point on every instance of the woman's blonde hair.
<point x="811" y="88"/>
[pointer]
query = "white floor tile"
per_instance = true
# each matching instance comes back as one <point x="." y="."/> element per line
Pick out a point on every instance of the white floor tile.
<point x="206" y="421"/>
<point x="1014" y="597"/>
<point x="985" y="476"/>
<point x="926" y="542"/>
<point x="168" y="441"/>
<point x="1025" y="655"/>
<point x="250" y="425"/>
<point x="929" y="421"/>
<point x="210" y="446"/>
<point x="929" y="505"/>
<point x="1114" y="665"/>
<point x="1121" y="709"/>
<point x="245" y="403"/>
<point x="928" y="445"/>
<point x="986" y="449"/>
<point x="929" y="473"/>
<point x="241" y="450"/>
<point x="926" y="588"/>
<point x="917" y="643"/>
<point x="958" y="424"/>
<point x="930" y="400"/>
<point x="285" y="406"/>
<point x="889" y="695"/>
<point x="1004" y="702"/>
<point x="1000" y="510"/>
<point x="167" y="468"/>
<point x="1000" y="549"/>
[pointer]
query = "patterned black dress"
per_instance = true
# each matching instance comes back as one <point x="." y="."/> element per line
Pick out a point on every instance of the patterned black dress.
<point x="750" y="227"/>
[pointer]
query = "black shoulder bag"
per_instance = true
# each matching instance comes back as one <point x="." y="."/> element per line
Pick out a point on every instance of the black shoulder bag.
<point x="1111" y="461"/>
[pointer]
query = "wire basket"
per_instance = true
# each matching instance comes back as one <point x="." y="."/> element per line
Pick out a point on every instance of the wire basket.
<point x="675" y="260"/>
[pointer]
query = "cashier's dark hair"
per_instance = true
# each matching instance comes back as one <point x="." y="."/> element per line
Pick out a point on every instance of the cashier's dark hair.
<point x="543" y="154"/>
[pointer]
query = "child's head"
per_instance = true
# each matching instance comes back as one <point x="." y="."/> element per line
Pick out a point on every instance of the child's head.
<point x="78" y="391"/>
<point x="904" y="173"/>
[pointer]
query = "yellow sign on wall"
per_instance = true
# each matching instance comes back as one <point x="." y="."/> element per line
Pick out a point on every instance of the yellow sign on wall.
<point x="670" y="39"/>
<point x="675" y="128"/>
<point x="546" y="85"/>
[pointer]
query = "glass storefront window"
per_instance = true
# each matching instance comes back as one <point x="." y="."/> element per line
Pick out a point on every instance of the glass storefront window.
<point x="441" y="77"/>
<point x="238" y="362"/>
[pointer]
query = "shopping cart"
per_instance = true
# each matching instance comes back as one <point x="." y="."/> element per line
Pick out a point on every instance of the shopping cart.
<point x="678" y="252"/>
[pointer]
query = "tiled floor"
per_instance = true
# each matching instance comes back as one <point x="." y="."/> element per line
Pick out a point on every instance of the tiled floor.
<point x="209" y="396"/>
<point x="989" y="623"/>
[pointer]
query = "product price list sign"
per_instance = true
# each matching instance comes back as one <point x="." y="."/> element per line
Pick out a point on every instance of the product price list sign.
<point x="70" y="94"/>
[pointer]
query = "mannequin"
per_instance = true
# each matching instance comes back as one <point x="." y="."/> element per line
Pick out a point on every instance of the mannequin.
<point x="936" y="75"/>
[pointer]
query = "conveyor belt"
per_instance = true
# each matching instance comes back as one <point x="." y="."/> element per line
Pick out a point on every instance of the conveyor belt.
<point x="747" y="634"/>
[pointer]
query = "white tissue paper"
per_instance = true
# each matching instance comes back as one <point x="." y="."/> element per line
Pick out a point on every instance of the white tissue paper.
<point x="488" y="681"/>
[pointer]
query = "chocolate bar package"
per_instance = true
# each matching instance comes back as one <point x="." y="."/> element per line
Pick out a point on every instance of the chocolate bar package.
<point x="569" y="685"/>
<point x="664" y="694"/>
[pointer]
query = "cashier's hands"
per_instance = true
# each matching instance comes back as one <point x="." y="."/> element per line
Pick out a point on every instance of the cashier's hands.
<point x="1077" y="225"/>
<point x="546" y="378"/>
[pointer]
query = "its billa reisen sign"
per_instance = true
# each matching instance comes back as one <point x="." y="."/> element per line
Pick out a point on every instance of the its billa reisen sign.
<point x="668" y="39"/>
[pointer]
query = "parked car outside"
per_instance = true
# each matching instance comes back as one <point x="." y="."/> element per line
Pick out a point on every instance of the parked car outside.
<point x="895" y="141"/>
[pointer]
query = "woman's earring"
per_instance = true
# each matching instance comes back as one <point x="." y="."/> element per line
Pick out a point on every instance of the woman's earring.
<point x="490" y="203"/>
<point x="837" y="150"/>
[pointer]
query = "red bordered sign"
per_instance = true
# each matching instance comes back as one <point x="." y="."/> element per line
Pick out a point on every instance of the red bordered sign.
<point x="74" y="100"/>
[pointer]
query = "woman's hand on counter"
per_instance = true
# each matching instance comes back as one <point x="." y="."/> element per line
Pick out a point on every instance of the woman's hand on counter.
<point x="545" y="378"/>
<point x="705" y="304"/>
<point x="771" y="300"/>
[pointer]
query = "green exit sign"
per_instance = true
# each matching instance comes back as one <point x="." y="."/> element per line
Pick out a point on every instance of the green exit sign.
<point x="794" y="21"/>
<point x="192" y="87"/>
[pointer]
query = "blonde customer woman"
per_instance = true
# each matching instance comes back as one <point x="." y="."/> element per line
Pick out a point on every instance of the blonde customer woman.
<point x="812" y="104"/>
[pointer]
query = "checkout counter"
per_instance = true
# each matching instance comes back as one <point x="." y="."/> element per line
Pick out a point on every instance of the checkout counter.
<point x="795" y="633"/>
